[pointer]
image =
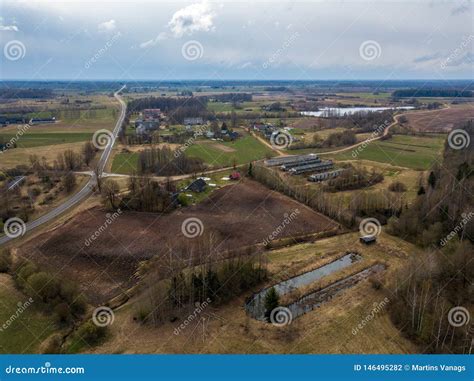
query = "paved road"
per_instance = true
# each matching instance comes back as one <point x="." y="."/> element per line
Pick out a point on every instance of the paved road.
<point x="87" y="190"/>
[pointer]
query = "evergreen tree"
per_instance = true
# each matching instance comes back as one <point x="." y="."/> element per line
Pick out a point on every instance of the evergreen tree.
<point x="432" y="179"/>
<point x="271" y="302"/>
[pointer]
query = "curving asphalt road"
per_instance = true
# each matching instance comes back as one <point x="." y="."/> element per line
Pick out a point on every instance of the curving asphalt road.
<point x="87" y="190"/>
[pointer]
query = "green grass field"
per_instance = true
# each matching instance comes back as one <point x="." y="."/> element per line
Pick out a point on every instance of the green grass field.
<point x="405" y="151"/>
<point x="20" y="332"/>
<point x="246" y="149"/>
<point x="39" y="139"/>
<point x="125" y="163"/>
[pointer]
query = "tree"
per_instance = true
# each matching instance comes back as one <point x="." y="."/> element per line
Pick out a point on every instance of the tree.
<point x="88" y="152"/>
<point x="98" y="178"/>
<point x="110" y="191"/>
<point x="5" y="260"/>
<point x="250" y="170"/>
<point x="432" y="179"/>
<point x="69" y="181"/>
<point x="271" y="302"/>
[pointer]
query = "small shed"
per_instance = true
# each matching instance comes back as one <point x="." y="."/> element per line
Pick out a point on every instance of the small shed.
<point x="198" y="186"/>
<point x="234" y="175"/>
<point x="368" y="239"/>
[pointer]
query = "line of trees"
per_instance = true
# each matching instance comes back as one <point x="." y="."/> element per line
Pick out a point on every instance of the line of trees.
<point x="353" y="178"/>
<point x="164" y="162"/>
<point x="186" y="273"/>
<point x="175" y="108"/>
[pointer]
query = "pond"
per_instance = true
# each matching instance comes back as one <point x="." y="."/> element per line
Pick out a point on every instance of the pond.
<point x="341" y="111"/>
<point x="256" y="306"/>
<point x="313" y="300"/>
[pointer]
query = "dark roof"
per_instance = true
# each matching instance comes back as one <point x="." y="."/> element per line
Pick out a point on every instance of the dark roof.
<point x="197" y="185"/>
<point x="368" y="238"/>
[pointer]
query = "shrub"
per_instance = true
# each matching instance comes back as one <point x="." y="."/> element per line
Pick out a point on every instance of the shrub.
<point x="5" y="261"/>
<point x="52" y="345"/>
<point x="397" y="186"/>
<point x="44" y="285"/>
<point x="90" y="333"/>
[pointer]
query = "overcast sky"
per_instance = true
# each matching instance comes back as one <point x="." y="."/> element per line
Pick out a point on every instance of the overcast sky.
<point x="133" y="40"/>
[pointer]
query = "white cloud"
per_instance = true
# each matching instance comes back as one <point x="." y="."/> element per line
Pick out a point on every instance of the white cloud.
<point x="107" y="26"/>
<point x="9" y="28"/>
<point x="193" y="18"/>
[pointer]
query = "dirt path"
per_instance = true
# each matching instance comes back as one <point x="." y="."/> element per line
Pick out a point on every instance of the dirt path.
<point x="267" y="144"/>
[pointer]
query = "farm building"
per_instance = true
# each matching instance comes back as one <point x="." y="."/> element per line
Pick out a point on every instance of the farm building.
<point x="198" y="186"/>
<point x="42" y="120"/>
<point x="318" y="177"/>
<point x="315" y="167"/>
<point x="4" y="120"/>
<point x="234" y="176"/>
<point x="368" y="239"/>
<point x="152" y="113"/>
<point x="308" y="161"/>
<point x="301" y="159"/>
<point x="193" y="121"/>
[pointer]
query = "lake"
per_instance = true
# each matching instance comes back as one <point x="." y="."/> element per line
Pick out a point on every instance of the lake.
<point x="341" y="111"/>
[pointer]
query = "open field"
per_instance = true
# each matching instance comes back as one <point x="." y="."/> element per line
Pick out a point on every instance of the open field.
<point x="327" y="329"/>
<point x="401" y="150"/>
<point x="440" y="120"/>
<point x="239" y="215"/>
<point x="125" y="163"/>
<point x="20" y="156"/>
<point x="27" y="329"/>
<point x="37" y="139"/>
<point x="245" y="150"/>
<point x="220" y="154"/>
